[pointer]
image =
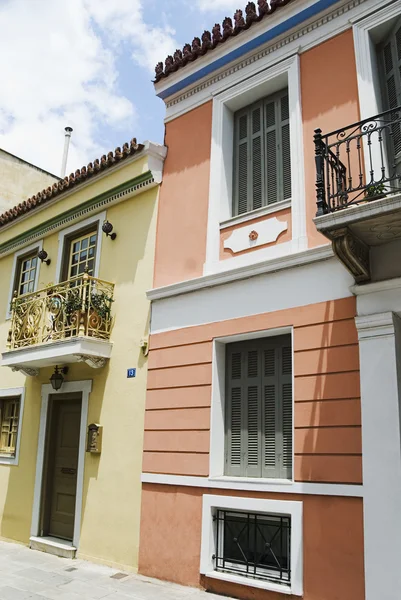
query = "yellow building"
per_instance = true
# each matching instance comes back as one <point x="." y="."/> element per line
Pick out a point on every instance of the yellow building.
<point x="73" y="307"/>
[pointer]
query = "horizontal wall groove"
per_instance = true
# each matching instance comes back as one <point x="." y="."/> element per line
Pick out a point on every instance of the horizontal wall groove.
<point x="329" y="322"/>
<point x="324" y="373"/>
<point x="173" y="408"/>
<point x="327" y="400"/>
<point x="307" y="427"/>
<point x="358" y="454"/>
<point x="181" y="366"/>
<point x="328" y="347"/>
<point x="178" y="430"/>
<point x="190" y="452"/>
<point x="179" y="387"/>
<point x="168" y="346"/>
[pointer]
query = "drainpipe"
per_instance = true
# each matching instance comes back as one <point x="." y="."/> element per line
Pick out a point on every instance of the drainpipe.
<point x="68" y="131"/>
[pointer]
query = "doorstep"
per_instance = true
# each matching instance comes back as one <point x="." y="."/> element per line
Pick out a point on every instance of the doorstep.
<point x="53" y="545"/>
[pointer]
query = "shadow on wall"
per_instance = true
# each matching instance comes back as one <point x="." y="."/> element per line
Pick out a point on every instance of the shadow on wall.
<point x="330" y="418"/>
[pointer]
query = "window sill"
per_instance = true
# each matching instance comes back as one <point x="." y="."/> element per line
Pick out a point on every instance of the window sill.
<point x="253" y="480"/>
<point x="8" y="459"/>
<point x="255" y="214"/>
<point x="248" y="582"/>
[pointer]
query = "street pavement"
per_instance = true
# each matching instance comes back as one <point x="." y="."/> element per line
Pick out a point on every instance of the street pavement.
<point x="31" y="575"/>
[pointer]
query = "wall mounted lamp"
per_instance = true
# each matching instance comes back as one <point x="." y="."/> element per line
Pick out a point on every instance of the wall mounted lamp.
<point x="57" y="378"/>
<point x="107" y="228"/>
<point x="42" y="256"/>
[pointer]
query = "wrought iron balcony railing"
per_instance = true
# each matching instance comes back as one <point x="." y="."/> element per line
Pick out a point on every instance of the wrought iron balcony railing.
<point x="78" y="307"/>
<point x="358" y="163"/>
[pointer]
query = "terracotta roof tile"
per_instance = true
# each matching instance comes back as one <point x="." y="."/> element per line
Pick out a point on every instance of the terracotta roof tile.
<point x="219" y="34"/>
<point x="80" y="175"/>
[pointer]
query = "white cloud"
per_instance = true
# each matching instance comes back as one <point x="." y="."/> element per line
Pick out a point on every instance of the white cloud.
<point x="216" y="5"/>
<point x="59" y="68"/>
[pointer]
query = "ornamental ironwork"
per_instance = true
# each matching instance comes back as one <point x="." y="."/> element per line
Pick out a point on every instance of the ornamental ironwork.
<point x="79" y="307"/>
<point x="358" y="163"/>
<point x="253" y="545"/>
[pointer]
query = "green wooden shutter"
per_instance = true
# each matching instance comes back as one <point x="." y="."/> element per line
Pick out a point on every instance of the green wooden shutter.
<point x="286" y="409"/>
<point x="278" y="149"/>
<point x="241" y="166"/>
<point x="262" y="162"/>
<point x="285" y="149"/>
<point x="234" y="413"/>
<point x="257" y="158"/>
<point x="259" y="408"/>
<point x="391" y="60"/>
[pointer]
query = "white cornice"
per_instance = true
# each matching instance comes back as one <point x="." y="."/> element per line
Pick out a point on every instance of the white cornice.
<point x="327" y="25"/>
<point x="266" y="266"/>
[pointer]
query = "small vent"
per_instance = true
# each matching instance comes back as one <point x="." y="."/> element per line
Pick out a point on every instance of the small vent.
<point x="253" y="363"/>
<point x="236" y="427"/>
<point x="243" y="127"/>
<point x="270" y="426"/>
<point x="271" y="167"/>
<point x="253" y="427"/>
<point x="257" y="172"/>
<point x="388" y="58"/>
<point x="287" y="425"/>
<point x="287" y="360"/>
<point x="236" y="365"/>
<point x="285" y="109"/>
<point x="270" y="367"/>
<point x="243" y="178"/>
<point x="256" y="120"/>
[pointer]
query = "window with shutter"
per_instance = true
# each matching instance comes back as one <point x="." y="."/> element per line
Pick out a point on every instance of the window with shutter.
<point x="259" y="408"/>
<point x="262" y="163"/>
<point x="9" y="417"/>
<point x="390" y="53"/>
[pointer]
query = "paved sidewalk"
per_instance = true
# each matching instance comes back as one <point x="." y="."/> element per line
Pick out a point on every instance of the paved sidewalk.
<point x="30" y="575"/>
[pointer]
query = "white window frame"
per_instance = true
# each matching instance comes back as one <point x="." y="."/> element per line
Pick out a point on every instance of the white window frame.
<point x="10" y="393"/>
<point x="217" y="411"/>
<point x="98" y="218"/>
<point x="17" y="255"/>
<point x="269" y="80"/>
<point x="292" y="509"/>
<point x="368" y="80"/>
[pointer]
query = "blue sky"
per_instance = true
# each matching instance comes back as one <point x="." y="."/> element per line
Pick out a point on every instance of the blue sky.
<point x="89" y="64"/>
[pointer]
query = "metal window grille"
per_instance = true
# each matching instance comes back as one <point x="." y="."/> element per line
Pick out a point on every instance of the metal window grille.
<point x="253" y="545"/>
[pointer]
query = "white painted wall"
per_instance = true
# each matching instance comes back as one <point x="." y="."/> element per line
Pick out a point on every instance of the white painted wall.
<point x="379" y="347"/>
<point x="289" y="288"/>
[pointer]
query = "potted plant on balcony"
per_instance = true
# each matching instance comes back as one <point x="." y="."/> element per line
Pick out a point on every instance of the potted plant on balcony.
<point x="374" y="192"/>
<point x="95" y="309"/>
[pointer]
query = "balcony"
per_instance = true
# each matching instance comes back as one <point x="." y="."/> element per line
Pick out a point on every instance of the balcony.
<point x="64" y="323"/>
<point x="358" y="193"/>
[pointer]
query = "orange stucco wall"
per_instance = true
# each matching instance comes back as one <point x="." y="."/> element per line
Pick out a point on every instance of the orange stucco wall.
<point x="327" y="443"/>
<point x="170" y="544"/>
<point x="329" y="101"/>
<point x="184" y="196"/>
<point x="285" y="236"/>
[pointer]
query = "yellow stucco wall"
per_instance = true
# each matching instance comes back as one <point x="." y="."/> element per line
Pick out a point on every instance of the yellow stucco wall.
<point x="111" y="493"/>
<point x="19" y="180"/>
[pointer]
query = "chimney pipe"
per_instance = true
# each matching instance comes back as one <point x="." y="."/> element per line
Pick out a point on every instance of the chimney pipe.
<point x="68" y="131"/>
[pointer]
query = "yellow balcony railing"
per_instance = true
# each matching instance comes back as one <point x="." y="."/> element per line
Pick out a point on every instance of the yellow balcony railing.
<point x="78" y="307"/>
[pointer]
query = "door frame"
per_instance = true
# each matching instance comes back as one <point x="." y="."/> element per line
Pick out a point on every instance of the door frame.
<point x="85" y="388"/>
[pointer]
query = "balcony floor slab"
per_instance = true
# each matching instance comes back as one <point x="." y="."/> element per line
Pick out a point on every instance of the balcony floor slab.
<point x="79" y="349"/>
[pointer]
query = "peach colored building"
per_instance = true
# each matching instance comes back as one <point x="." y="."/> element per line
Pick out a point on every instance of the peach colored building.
<point x="272" y="448"/>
